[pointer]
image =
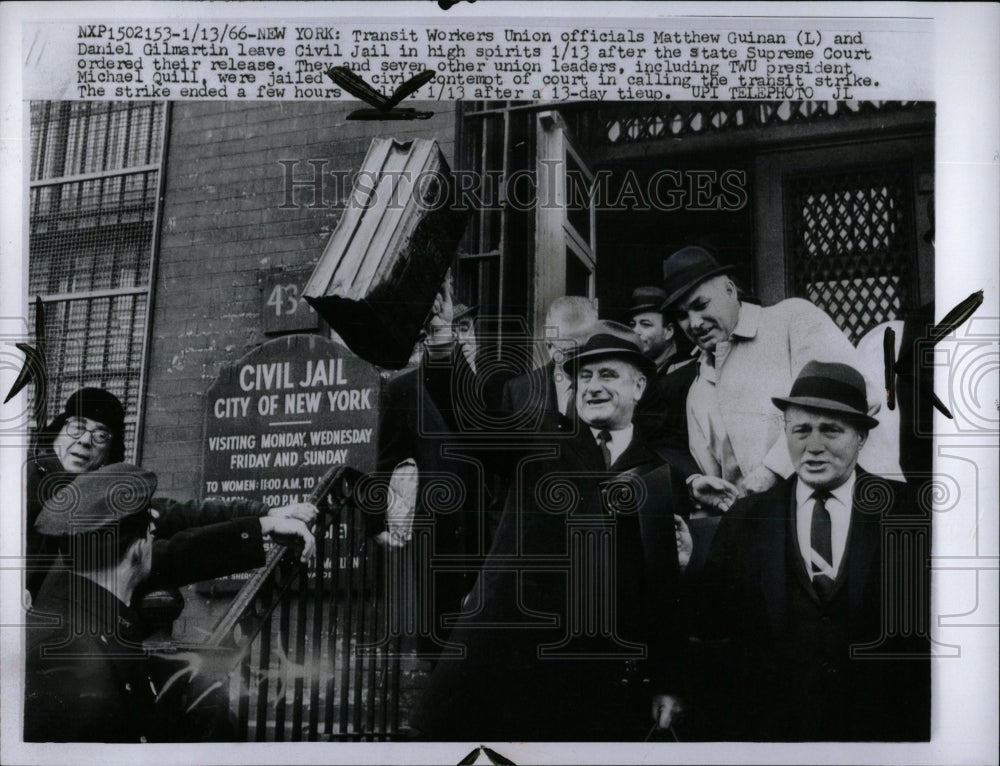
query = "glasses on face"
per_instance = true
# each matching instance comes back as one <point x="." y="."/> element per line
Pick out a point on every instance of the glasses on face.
<point x="76" y="428"/>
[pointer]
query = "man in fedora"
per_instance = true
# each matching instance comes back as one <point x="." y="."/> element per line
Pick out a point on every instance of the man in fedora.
<point x="820" y="584"/>
<point x="662" y="412"/>
<point x="572" y="630"/>
<point x="748" y="355"/>
<point x="87" y="676"/>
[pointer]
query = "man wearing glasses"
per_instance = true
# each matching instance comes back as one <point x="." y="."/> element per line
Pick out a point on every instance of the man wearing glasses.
<point x="90" y="433"/>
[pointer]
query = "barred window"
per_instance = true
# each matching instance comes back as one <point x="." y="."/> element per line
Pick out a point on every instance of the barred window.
<point x="95" y="176"/>
<point x="851" y="238"/>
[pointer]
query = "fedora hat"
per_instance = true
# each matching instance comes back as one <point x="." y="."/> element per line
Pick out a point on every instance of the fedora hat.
<point x="610" y="340"/>
<point x="97" y="499"/>
<point x="830" y="387"/>
<point x="687" y="268"/>
<point x="461" y="311"/>
<point x="647" y="298"/>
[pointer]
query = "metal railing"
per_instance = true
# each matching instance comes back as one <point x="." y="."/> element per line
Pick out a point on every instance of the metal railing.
<point x="310" y="656"/>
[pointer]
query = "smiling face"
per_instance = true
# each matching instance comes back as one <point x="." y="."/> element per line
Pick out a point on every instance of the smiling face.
<point x="654" y="335"/>
<point x="607" y="392"/>
<point x="76" y="445"/>
<point x="824" y="448"/>
<point x="709" y="313"/>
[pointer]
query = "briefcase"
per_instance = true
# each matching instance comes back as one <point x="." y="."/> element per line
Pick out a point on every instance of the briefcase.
<point x="376" y="281"/>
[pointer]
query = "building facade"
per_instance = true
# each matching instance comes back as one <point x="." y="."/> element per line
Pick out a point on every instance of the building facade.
<point x="156" y="228"/>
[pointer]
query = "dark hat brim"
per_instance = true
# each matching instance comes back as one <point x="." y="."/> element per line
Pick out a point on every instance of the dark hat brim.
<point x="690" y="285"/>
<point x="648" y="308"/>
<point x="472" y="311"/>
<point x="826" y="405"/>
<point x="644" y="365"/>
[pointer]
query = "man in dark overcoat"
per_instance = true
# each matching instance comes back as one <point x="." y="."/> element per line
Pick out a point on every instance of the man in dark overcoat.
<point x="87" y="676"/>
<point x="571" y="632"/>
<point x="820" y="585"/>
<point x="426" y="414"/>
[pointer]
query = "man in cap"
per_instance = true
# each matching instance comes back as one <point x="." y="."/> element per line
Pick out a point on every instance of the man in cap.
<point x="534" y="665"/>
<point x="662" y="412"/>
<point x="821" y="585"/>
<point x="90" y="433"/>
<point x="87" y="676"/>
<point x="748" y="355"/>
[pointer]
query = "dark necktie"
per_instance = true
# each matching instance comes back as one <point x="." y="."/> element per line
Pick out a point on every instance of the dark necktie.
<point x="603" y="438"/>
<point x="821" y="540"/>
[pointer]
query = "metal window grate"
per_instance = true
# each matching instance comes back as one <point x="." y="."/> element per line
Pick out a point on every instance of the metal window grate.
<point x="95" y="170"/>
<point x="74" y="138"/>
<point x="849" y="235"/>
<point x="643" y="122"/>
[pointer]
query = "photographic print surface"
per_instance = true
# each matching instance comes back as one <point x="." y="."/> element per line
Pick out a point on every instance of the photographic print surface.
<point x="469" y="362"/>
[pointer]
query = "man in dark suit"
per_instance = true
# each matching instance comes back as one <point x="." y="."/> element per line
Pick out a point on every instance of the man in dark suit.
<point x="537" y="400"/>
<point x="438" y="486"/>
<point x="662" y="413"/>
<point x="821" y="586"/>
<point x="571" y="632"/>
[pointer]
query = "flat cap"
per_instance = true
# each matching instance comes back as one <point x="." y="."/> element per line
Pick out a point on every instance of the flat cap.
<point x="97" y="499"/>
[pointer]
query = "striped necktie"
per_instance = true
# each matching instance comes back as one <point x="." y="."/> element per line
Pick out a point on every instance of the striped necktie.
<point x="603" y="439"/>
<point x="821" y="540"/>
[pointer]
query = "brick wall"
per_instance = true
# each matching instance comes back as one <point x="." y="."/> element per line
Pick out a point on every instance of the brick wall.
<point x="223" y="223"/>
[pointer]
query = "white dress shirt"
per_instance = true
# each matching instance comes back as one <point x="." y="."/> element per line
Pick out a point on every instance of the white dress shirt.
<point x="620" y="440"/>
<point x="839" y="506"/>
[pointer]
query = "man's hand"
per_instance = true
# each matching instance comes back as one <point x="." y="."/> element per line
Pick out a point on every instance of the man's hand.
<point x="304" y="512"/>
<point x="685" y="543"/>
<point x="758" y="480"/>
<point x="280" y="526"/>
<point x="713" y="492"/>
<point x="401" y="505"/>
<point x="665" y="709"/>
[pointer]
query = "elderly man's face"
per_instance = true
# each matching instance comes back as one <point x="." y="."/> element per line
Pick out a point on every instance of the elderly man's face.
<point x="709" y="313"/>
<point x="824" y="448"/>
<point x="82" y="444"/>
<point x="654" y="335"/>
<point x="607" y="392"/>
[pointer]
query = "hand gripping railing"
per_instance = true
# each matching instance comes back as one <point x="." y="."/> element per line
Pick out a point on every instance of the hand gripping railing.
<point x="300" y="630"/>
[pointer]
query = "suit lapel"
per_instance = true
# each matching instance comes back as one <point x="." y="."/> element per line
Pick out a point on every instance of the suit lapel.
<point x="772" y="552"/>
<point x="636" y="454"/>
<point x="863" y="543"/>
<point x="551" y="403"/>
